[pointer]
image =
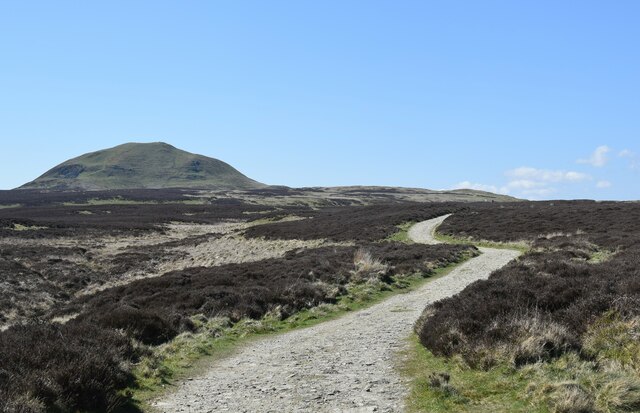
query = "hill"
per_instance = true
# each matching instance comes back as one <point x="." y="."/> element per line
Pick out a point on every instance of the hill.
<point x="142" y="165"/>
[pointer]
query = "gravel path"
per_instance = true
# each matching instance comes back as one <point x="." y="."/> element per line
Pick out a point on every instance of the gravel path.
<point x="343" y="365"/>
<point x="423" y="232"/>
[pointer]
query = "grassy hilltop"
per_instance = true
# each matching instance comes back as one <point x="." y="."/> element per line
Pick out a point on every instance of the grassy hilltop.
<point x="142" y="165"/>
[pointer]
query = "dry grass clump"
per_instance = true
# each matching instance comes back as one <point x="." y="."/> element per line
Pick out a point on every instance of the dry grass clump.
<point x="571" y="384"/>
<point x="619" y="394"/>
<point x="367" y="267"/>
<point x="537" y="339"/>
<point x="614" y="337"/>
<point x="570" y="397"/>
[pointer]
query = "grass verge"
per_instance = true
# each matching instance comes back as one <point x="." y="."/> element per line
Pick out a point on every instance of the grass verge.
<point x="571" y="383"/>
<point x="449" y="385"/>
<point x="403" y="233"/>
<point x="449" y="239"/>
<point x="192" y="353"/>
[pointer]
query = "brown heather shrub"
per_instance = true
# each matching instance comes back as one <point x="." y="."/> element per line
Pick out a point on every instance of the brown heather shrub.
<point x="117" y="219"/>
<point x="84" y="364"/>
<point x="569" y="310"/>
<point x="565" y="297"/>
<point x="363" y="223"/>
<point x="51" y="367"/>
<point x="148" y="327"/>
<point x="606" y="224"/>
<point x="154" y="310"/>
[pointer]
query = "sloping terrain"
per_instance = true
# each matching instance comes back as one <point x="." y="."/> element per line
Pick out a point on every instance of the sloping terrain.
<point x="142" y="165"/>
<point x="84" y="321"/>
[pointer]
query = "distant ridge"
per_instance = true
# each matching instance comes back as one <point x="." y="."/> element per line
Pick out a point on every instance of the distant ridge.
<point x="142" y="165"/>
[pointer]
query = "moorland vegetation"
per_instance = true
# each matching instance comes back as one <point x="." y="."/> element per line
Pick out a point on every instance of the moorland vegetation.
<point x="80" y="350"/>
<point x="561" y="324"/>
<point x="556" y="330"/>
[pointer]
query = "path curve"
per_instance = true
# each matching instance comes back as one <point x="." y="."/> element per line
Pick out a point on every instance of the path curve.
<point x="424" y="232"/>
<point x="342" y="365"/>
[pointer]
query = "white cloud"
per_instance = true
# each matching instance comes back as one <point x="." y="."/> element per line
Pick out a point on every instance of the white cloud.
<point x="598" y="158"/>
<point x="531" y="183"/>
<point x="626" y="153"/>
<point x="603" y="184"/>
<point x="545" y="175"/>
<point x="634" y="161"/>
<point x="534" y="183"/>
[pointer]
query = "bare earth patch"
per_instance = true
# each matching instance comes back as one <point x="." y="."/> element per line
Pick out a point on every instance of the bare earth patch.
<point x="110" y="261"/>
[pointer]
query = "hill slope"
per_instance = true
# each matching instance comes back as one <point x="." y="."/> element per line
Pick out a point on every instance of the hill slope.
<point x="142" y="165"/>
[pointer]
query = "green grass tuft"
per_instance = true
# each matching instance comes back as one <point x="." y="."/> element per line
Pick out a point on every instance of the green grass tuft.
<point x="449" y="239"/>
<point x="403" y="234"/>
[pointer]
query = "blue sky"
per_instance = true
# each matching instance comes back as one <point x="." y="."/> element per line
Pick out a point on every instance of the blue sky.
<point x="538" y="99"/>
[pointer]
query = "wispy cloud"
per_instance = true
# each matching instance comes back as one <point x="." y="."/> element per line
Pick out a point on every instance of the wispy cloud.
<point x="540" y="183"/>
<point x="528" y="182"/>
<point x="626" y="153"/>
<point x="634" y="162"/>
<point x="542" y="176"/>
<point x="598" y="158"/>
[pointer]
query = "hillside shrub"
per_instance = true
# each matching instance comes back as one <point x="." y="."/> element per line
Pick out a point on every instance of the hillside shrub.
<point x="546" y="303"/>
<point x="148" y="308"/>
<point x="361" y="223"/>
<point x="52" y="367"/>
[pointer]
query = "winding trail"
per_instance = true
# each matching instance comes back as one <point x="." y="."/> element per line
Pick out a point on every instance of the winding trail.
<point x="342" y="365"/>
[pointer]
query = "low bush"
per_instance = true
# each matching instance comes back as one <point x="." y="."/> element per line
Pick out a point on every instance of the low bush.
<point x="544" y="297"/>
<point x="607" y="224"/>
<point x="83" y="365"/>
<point x="301" y="279"/>
<point x="51" y="367"/>
<point x="362" y="223"/>
<point x="148" y="327"/>
<point x="565" y="315"/>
